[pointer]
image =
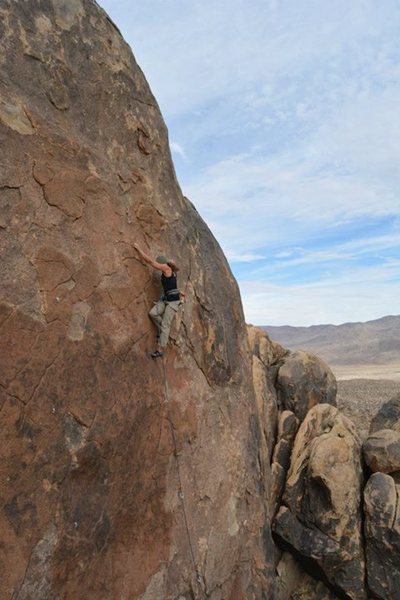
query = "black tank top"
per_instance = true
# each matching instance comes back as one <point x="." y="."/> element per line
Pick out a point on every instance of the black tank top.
<point x="170" y="286"/>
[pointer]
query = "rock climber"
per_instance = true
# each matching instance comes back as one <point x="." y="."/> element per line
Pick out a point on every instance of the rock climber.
<point x="164" y="309"/>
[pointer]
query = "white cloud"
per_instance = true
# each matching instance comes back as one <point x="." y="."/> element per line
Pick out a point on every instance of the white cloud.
<point x="336" y="300"/>
<point x="252" y="202"/>
<point x="178" y="149"/>
<point x="338" y="252"/>
<point x="244" y="258"/>
<point x="304" y="306"/>
<point x="363" y="137"/>
<point x="193" y="53"/>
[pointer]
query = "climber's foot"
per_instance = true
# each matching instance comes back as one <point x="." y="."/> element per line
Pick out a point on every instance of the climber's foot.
<point x="157" y="354"/>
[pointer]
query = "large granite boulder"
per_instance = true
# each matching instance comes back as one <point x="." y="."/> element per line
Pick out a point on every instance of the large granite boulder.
<point x="320" y="517"/>
<point x="382" y="536"/>
<point x="303" y="381"/>
<point x="120" y="477"/>
<point x="382" y="451"/>
<point x="388" y="416"/>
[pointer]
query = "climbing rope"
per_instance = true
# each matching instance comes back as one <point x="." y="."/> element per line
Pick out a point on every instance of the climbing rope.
<point x="199" y="577"/>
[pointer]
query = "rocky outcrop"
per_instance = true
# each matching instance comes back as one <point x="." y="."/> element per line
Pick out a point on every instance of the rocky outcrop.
<point x="382" y="451"/>
<point x="120" y="477"/>
<point x="293" y="583"/>
<point x="266" y="358"/>
<point x="303" y="381"/>
<point x="382" y="502"/>
<point x="288" y="426"/>
<point x="382" y="536"/>
<point x="316" y="480"/>
<point x="388" y="416"/>
<point x="320" y="516"/>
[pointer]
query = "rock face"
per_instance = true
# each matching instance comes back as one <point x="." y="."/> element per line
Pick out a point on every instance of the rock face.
<point x="120" y="477"/>
<point x="320" y="516"/>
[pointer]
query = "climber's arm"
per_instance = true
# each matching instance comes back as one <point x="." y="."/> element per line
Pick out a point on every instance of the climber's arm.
<point x="147" y="259"/>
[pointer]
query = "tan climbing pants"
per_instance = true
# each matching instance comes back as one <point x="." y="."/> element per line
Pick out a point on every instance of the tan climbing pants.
<point x="162" y="314"/>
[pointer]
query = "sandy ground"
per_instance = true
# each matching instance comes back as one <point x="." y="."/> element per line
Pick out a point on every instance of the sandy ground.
<point x="360" y="399"/>
<point x="389" y="372"/>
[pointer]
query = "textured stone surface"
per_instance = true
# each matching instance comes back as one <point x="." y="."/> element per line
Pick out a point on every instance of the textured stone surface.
<point x="388" y="416"/>
<point x="269" y="352"/>
<point x="303" y="381"/>
<point x="320" y="516"/>
<point x="267" y="356"/>
<point x="114" y="483"/>
<point x="294" y="584"/>
<point x="382" y="451"/>
<point x="382" y="536"/>
<point x="287" y="429"/>
<point x="266" y="402"/>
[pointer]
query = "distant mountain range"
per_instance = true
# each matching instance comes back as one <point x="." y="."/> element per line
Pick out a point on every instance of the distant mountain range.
<point x="371" y="343"/>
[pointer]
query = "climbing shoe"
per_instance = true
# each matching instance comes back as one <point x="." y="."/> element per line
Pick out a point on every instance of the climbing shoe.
<point x="157" y="354"/>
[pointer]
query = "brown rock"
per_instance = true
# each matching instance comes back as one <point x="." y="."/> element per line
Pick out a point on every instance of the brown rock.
<point x="382" y="451"/>
<point x="287" y="429"/>
<point x="115" y="481"/>
<point x="388" y="416"/>
<point x="266" y="402"/>
<point x="303" y="381"/>
<point x="382" y="535"/>
<point x="269" y="352"/>
<point x="288" y="426"/>
<point x="278" y="480"/>
<point x="266" y="358"/>
<point x="13" y="114"/>
<point x="294" y="584"/>
<point x="320" y="516"/>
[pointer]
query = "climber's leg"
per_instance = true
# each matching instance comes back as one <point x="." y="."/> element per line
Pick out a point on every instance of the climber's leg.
<point x="156" y="314"/>
<point x="168" y="316"/>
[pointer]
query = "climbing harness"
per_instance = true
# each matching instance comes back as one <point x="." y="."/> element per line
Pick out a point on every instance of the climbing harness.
<point x="170" y="295"/>
<point x="199" y="577"/>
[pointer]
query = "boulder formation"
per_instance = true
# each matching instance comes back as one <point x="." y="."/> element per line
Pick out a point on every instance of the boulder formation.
<point x="388" y="416"/>
<point x="334" y="539"/>
<point x="382" y="451"/>
<point x="382" y="502"/>
<point x="382" y="536"/>
<point x="303" y="381"/>
<point x="320" y="516"/>
<point x="315" y="476"/>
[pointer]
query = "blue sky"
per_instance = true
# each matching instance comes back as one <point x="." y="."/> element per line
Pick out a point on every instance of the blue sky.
<point x="284" y="124"/>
